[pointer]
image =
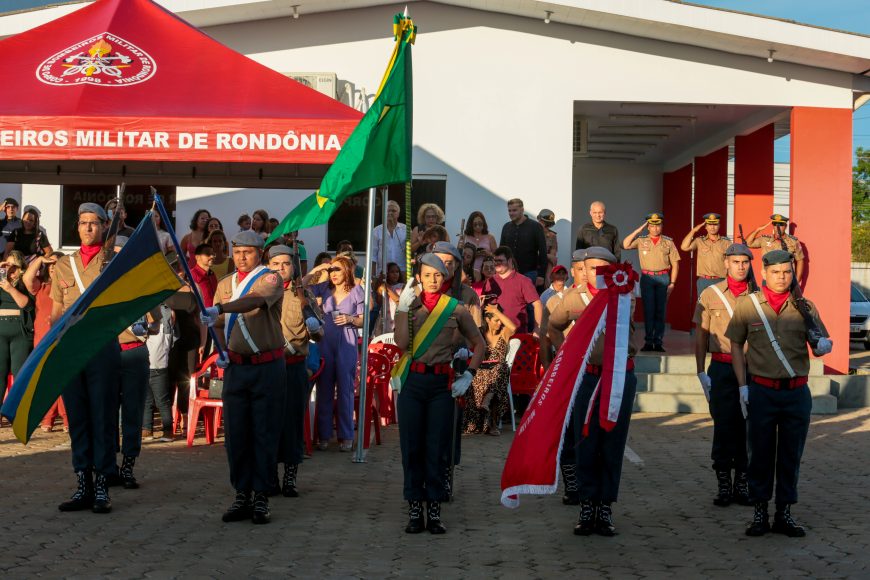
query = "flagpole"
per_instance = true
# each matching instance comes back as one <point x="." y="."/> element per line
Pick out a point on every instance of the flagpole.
<point x="359" y="455"/>
<point x="164" y="217"/>
<point x="385" y="304"/>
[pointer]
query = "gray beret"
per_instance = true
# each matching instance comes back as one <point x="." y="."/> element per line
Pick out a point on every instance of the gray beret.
<point x="281" y="250"/>
<point x="598" y="253"/>
<point x="93" y="208"/>
<point x="120" y="241"/>
<point x="578" y="255"/>
<point x="776" y="257"/>
<point x="739" y="250"/>
<point x="248" y="238"/>
<point x="446" y="248"/>
<point x="435" y="262"/>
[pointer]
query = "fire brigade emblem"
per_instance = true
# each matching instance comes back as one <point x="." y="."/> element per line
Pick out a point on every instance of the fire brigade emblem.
<point x="104" y="60"/>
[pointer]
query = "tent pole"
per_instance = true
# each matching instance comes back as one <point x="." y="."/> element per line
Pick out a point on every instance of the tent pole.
<point x="359" y="455"/>
<point x="385" y="304"/>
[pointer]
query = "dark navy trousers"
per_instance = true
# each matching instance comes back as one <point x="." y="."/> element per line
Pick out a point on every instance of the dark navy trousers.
<point x="729" y="426"/>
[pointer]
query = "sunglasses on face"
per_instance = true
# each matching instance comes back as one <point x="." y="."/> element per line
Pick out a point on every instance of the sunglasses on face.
<point x="331" y="270"/>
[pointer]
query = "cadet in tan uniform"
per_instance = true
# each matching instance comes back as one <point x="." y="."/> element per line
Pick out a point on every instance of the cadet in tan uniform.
<point x="712" y="315"/>
<point x="247" y="312"/>
<point x="425" y="403"/>
<point x="599" y="454"/>
<point x="660" y="265"/>
<point x="449" y="254"/>
<point x="298" y="329"/>
<point x="709" y="251"/>
<point x="91" y="397"/>
<point x="774" y="395"/>
<point x="773" y="241"/>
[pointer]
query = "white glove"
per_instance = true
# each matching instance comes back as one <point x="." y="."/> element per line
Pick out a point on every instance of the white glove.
<point x="139" y="329"/>
<point x="406" y="297"/>
<point x="396" y="384"/>
<point x="461" y="384"/>
<point x="744" y="400"/>
<point x="222" y="362"/>
<point x="462" y="354"/>
<point x="209" y="316"/>
<point x="824" y="347"/>
<point x="706" y="383"/>
<point x="313" y="325"/>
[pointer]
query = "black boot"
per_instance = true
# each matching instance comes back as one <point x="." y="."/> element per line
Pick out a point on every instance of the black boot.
<point x="415" y="518"/>
<point x="723" y="496"/>
<point x="759" y="524"/>
<point x="784" y="524"/>
<point x="274" y="484"/>
<point x="127" y="473"/>
<point x="586" y="522"/>
<point x="448" y="484"/>
<point x="102" y="503"/>
<point x="433" y="518"/>
<point x="83" y="497"/>
<point x="289" y="489"/>
<point x="647" y="347"/>
<point x="241" y="508"/>
<point x="114" y="479"/>
<point x="604" y="521"/>
<point x="741" y="488"/>
<point x="260" y="513"/>
<point x="569" y="477"/>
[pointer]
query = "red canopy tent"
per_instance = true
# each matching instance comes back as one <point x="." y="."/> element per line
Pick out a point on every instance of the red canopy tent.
<point x="126" y="80"/>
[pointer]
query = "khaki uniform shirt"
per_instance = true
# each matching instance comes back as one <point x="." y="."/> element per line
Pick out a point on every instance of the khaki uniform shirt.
<point x="569" y="308"/>
<point x="293" y="322"/>
<point x="710" y="256"/>
<point x="712" y="316"/>
<point x="788" y="328"/>
<point x="597" y="356"/>
<point x="655" y="257"/>
<point x="458" y="330"/>
<point x="64" y="289"/>
<point x="264" y="324"/>
<point x="768" y="243"/>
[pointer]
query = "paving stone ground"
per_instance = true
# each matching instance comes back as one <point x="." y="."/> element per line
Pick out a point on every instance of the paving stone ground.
<point x="349" y="521"/>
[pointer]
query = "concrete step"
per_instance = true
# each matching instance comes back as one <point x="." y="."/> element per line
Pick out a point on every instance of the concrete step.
<point x="685" y="364"/>
<point x="688" y="384"/>
<point x="658" y="402"/>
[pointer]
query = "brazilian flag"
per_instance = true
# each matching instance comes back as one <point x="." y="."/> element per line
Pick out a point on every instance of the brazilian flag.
<point x="378" y="152"/>
<point x="136" y="280"/>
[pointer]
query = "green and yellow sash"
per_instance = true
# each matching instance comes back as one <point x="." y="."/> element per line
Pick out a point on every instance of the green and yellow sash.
<point x="427" y="334"/>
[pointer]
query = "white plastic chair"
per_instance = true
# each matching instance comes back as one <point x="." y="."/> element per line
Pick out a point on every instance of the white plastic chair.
<point x="513" y="347"/>
<point x="384" y="338"/>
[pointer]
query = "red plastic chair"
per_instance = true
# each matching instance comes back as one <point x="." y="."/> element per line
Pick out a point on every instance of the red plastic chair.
<point x="378" y="374"/>
<point x="385" y="395"/>
<point x="309" y="436"/>
<point x="199" y="402"/>
<point x="526" y="371"/>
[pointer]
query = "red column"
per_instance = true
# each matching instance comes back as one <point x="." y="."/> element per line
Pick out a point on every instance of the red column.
<point x="753" y="184"/>
<point x="711" y="187"/>
<point x="821" y="216"/>
<point x="677" y="207"/>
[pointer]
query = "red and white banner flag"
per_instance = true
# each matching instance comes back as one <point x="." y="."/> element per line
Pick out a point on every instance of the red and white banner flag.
<point x="532" y="465"/>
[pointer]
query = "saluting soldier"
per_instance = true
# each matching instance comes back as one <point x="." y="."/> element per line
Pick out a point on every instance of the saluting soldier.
<point x="775" y="394"/>
<point x="298" y="330"/>
<point x="91" y="397"/>
<point x="247" y="313"/>
<point x="712" y="315"/>
<point x="774" y="240"/>
<point x="599" y="453"/>
<point x="660" y="266"/>
<point x="425" y="403"/>
<point x="709" y="251"/>
<point x="569" y="309"/>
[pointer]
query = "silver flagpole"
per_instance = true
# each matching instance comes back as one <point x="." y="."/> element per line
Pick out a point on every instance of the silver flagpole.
<point x="385" y="304"/>
<point x="359" y="455"/>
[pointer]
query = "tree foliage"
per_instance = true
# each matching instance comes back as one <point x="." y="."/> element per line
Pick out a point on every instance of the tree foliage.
<point x="861" y="206"/>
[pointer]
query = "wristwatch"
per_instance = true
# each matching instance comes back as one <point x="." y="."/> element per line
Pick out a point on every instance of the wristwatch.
<point x="220" y="308"/>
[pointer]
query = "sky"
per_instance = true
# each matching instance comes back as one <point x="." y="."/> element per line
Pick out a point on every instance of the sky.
<point x="850" y="15"/>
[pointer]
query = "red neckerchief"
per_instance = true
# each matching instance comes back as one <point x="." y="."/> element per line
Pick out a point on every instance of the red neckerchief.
<point x="655" y="240"/>
<point x="592" y="289"/>
<point x="242" y="275"/>
<point x="287" y="284"/>
<point x="737" y="288"/>
<point x="87" y="253"/>
<point x="775" y="299"/>
<point x="430" y="300"/>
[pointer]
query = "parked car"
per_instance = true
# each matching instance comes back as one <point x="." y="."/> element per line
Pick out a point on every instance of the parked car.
<point x="859" y="317"/>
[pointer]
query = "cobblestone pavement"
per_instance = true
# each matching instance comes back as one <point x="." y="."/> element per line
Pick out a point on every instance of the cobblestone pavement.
<point x="349" y="521"/>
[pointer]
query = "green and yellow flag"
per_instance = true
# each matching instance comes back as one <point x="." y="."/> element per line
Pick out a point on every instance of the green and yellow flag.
<point x="378" y="152"/>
